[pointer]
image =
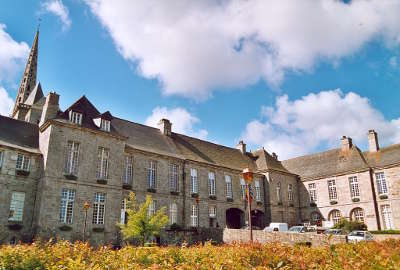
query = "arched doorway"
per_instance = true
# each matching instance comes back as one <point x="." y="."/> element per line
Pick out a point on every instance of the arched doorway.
<point x="234" y="218"/>
<point x="257" y="218"/>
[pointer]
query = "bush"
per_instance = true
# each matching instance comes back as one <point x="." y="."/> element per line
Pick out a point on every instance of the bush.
<point x="350" y="226"/>
<point x="386" y="232"/>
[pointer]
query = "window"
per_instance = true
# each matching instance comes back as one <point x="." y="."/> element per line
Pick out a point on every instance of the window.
<point x="228" y="182"/>
<point x="103" y="155"/>
<point x="105" y="125"/>
<point x="67" y="205"/>
<point x="1" y="158"/>
<point x="124" y="213"/>
<point x="152" y="209"/>
<point x="195" y="215"/>
<point x="316" y="218"/>
<point x="212" y="210"/>
<point x="290" y="192"/>
<point x="173" y="213"/>
<point x="99" y="206"/>
<point x="173" y="177"/>
<point x="75" y="117"/>
<point x="312" y="191"/>
<point x="243" y="188"/>
<point x="128" y="172"/>
<point x="278" y="192"/>
<point x="387" y="217"/>
<point x="380" y="182"/>
<point x="358" y="215"/>
<point x="332" y="190"/>
<point x="195" y="184"/>
<point x="71" y="158"/>
<point x="258" y="190"/>
<point x="211" y="184"/>
<point x="151" y="174"/>
<point x="23" y="162"/>
<point x="335" y="216"/>
<point x="354" y="188"/>
<point x="16" y="206"/>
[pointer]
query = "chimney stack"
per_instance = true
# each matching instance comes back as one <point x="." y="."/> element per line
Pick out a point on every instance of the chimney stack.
<point x="347" y="143"/>
<point x="50" y="107"/>
<point x="274" y="155"/>
<point x="373" y="141"/>
<point x="165" y="126"/>
<point x="241" y="146"/>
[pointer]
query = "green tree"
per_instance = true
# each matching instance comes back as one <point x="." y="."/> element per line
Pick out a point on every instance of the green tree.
<point x="141" y="225"/>
<point x="350" y="226"/>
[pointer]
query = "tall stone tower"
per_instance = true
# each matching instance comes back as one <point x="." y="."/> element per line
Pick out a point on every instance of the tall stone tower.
<point x="28" y="81"/>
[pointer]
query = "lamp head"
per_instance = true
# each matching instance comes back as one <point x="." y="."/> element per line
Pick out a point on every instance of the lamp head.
<point x="247" y="175"/>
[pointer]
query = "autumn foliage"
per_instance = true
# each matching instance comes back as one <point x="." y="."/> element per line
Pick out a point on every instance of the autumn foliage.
<point x="64" y="255"/>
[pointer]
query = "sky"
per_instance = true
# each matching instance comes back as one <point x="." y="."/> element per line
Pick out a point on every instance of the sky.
<point x="290" y="76"/>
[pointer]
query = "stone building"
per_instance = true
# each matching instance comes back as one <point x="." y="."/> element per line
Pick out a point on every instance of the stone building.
<point x="53" y="161"/>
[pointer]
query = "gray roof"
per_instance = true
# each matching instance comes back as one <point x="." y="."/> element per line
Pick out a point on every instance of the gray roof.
<point x="328" y="163"/>
<point x="18" y="132"/>
<point x="384" y="157"/>
<point x="267" y="162"/>
<point x="35" y="95"/>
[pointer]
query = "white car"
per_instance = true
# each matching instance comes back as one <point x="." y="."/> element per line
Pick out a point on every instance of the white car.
<point x="276" y="227"/>
<point x="357" y="236"/>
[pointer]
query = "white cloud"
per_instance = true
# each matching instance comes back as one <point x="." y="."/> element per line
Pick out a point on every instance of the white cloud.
<point x="6" y="103"/>
<point x="194" y="47"/>
<point x="12" y="55"/>
<point x="293" y="128"/>
<point x="57" y="8"/>
<point x="393" y="62"/>
<point x="182" y="121"/>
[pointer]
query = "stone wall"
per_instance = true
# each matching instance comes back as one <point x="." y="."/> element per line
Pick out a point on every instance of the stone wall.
<point x="232" y="235"/>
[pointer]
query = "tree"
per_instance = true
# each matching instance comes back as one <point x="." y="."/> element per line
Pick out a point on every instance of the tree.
<point x="141" y="225"/>
<point x="350" y="226"/>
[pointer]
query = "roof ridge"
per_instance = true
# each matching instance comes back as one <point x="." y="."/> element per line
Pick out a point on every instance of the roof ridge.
<point x="312" y="154"/>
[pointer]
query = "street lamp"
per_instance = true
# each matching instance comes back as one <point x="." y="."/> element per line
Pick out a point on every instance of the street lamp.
<point x="86" y="207"/>
<point x="248" y="177"/>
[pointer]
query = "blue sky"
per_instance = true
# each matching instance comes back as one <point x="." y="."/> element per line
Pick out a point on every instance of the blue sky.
<point x="220" y="71"/>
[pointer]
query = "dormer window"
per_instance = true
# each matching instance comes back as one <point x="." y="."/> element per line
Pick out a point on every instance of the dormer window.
<point x="75" y="117"/>
<point x="105" y="125"/>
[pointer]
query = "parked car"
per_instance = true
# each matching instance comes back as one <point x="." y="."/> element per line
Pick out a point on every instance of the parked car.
<point x="247" y="227"/>
<point x="357" y="236"/>
<point x="276" y="227"/>
<point x="301" y="229"/>
<point x="334" y="231"/>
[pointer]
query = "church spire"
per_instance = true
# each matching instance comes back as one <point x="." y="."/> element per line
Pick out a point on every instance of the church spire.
<point x="28" y="81"/>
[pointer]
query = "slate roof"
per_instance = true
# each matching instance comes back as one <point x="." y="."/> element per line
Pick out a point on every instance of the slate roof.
<point x="18" y="132"/>
<point x="265" y="161"/>
<point x="331" y="162"/>
<point x="384" y="157"/>
<point x="35" y="95"/>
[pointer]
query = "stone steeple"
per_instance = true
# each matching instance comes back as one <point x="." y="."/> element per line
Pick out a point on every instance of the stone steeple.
<point x="28" y="81"/>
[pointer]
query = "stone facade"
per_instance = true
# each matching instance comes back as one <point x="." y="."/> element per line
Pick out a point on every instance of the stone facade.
<point x="281" y="189"/>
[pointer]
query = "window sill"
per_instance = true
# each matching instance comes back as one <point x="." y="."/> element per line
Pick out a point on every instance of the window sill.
<point x="98" y="229"/>
<point x="70" y="177"/>
<point x="313" y="204"/>
<point x="355" y="199"/>
<point x="229" y="199"/>
<point x="102" y="181"/>
<point x="212" y="197"/>
<point x="279" y="203"/>
<point x="333" y="202"/>
<point x="291" y="204"/>
<point x="14" y="225"/>
<point x="65" y="228"/>
<point x="152" y="190"/>
<point x="176" y="193"/>
<point x="22" y="172"/>
<point x="127" y="186"/>
<point x="195" y="195"/>
<point x="383" y="196"/>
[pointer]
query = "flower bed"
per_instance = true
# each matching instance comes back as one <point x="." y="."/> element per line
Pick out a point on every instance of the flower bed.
<point x="63" y="255"/>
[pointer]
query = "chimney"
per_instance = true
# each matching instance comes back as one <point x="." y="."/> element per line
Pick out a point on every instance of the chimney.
<point x="165" y="126"/>
<point x="50" y="107"/>
<point x="241" y="146"/>
<point x="373" y="141"/>
<point x="274" y="155"/>
<point x="347" y="143"/>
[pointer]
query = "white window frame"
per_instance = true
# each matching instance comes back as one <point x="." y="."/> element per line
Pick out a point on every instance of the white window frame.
<point x="103" y="162"/>
<point x="332" y="189"/>
<point x="312" y="191"/>
<point x="105" y="125"/>
<point x="212" y="211"/>
<point x="173" y="177"/>
<point x="152" y="209"/>
<point x="243" y="188"/>
<point x="228" y="183"/>
<point x="387" y="217"/>
<point x="354" y="187"/>
<point x="123" y="219"/>
<point x="315" y="217"/>
<point x="258" y="190"/>
<point x="173" y="213"/>
<point x="211" y="184"/>
<point x="194" y="181"/>
<point x="67" y="205"/>
<point x="17" y="206"/>
<point x="290" y="193"/>
<point x="381" y="183"/>
<point x="128" y="170"/>
<point x="76" y="117"/>
<point x="99" y="208"/>
<point x="335" y="216"/>
<point x="279" y="192"/>
<point x="357" y="214"/>
<point x="152" y="174"/>
<point x="23" y="162"/>
<point x="195" y="215"/>
<point x="72" y="158"/>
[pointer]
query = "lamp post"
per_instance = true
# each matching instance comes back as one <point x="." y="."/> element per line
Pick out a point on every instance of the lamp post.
<point x="86" y="207"/>
<point x="248" y="177"/>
